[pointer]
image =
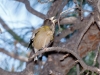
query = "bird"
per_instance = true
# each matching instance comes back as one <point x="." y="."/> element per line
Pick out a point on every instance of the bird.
<point x="42" y="37"/>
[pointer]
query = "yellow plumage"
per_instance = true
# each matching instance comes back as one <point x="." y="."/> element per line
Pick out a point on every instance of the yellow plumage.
<point x="43" y="37"/>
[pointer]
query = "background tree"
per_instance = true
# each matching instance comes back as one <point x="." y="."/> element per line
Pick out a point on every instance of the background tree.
<point x="76" y="46"/>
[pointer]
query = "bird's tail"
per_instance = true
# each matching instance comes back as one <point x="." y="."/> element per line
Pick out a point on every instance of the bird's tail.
<point x="36" y="58"/>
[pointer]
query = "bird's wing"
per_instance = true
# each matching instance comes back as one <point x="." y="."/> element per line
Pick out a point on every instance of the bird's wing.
<point x="32" y="38"/>
<point x="34" y="33"/>
<point x="50" y="41"/>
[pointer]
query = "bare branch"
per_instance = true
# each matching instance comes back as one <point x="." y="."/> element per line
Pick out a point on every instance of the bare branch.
<point x="78" y="69"/>
<point x="64" y="57"/>
<point x="87" y="73"/>
<point x="69" y="20"/>
<point x="95" y="58"/>
<point x="81" y="10"/>
<point x="98" y="59"/>
<point x="98" y="24"/>
<point x="27" y="71"/>
<point x="67" y="11"/>
<point x="98" y="5"/>
<point x="61" y="7"/>
<point x="3" y="72"/>
<point x="31" y="10"/>
<point x="59" y="49"/>
<point x="0" y="31"/>
<point x="21" y="58"/>
<point x="15" y="36"/>
<point x="47" y="1"/>
<point x="84" y="31"/>
<point x="54" y="8"/>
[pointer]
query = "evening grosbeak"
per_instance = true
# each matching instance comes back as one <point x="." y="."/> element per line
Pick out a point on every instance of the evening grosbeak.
<point x="42" y="37"/>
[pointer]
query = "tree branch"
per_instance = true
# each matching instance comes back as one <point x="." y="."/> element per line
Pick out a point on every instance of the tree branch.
<point x="54" y="8"/>
<point x="98" y="23"/>
<point x="65" y="50"/>
<point x="15" y="36"/>
<point x="21" y="58"/>
<point x="68" y="20"/>
<point x="27" y="71"/>
<point x="47" y="1"/>
<point x="31" y="10"/>
<point x="84" y="31"/>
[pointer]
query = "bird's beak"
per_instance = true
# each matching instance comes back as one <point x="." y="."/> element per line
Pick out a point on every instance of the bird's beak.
<point x="53" y="20"/>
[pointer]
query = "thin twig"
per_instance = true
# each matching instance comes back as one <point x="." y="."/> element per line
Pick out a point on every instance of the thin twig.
<point x="96" y="55"/>
<point x="0" y="31"/>
<point x="21" y="58"/>
<point x="81" y="10"/>
<point x="99" y="55"/>
<point x="47" y="1"/>
<point x="82" y="71"/>
<point x="87" y="73"/>
<point x="66" y="11"/>
<point x="78" y="69"/>
<point x="66" y="55"/>
<point x="95" y="59"/>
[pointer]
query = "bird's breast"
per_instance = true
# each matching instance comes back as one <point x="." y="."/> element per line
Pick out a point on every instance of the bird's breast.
<point x="42" y="39"/>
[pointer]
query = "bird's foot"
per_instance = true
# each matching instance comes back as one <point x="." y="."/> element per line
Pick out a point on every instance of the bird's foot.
<point x="44" y="48"/>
